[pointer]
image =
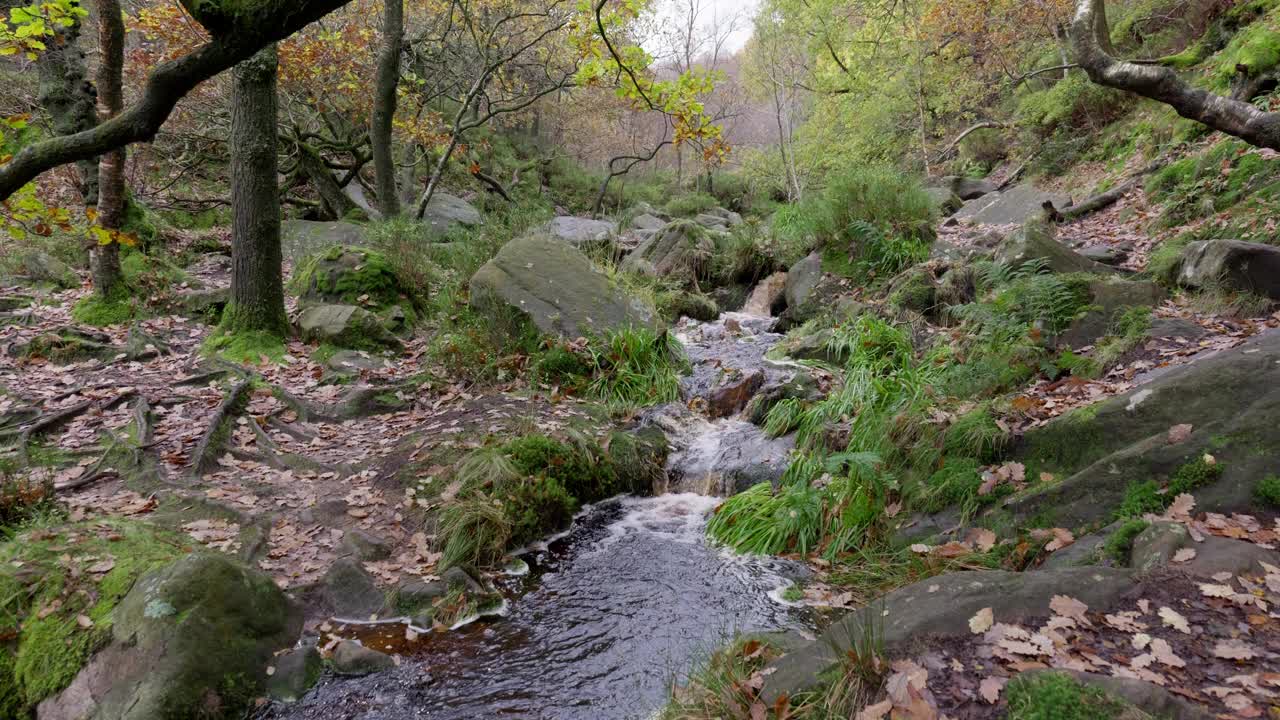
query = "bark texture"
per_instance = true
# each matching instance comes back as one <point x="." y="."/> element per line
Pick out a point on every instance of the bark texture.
<point x="104" y="260"/>
<point x="66" y="93"/>
<point x="257" y="282"/>
<point x="272" y="20"/>
<point x="337" y="204"/>
<point x="1233" y="117"/>
<point x="384" y="109"/>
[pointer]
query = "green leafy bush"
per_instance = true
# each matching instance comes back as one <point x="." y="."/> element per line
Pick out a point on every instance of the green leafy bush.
<point x="1268" y="490"/>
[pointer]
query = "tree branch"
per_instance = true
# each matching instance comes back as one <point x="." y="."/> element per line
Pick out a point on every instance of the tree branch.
<point x="168" y="84"/>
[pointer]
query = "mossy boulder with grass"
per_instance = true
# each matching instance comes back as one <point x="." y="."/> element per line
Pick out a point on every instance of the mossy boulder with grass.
<point x="1110" y="298"/>
<point x="1231" y="265"/>
<point x="915" y="289"/>
<point x="681" y="251"/>
<point x="557" y="287"/>
<point x="1110" y="456"/>
<point x="193" y="637"/>
<point x="1036" y="241"/>
<point x="347" y="326"/>
<point x="354" y="276"/>
<point x="68" y="345"/>
<point x="42" y="268"/>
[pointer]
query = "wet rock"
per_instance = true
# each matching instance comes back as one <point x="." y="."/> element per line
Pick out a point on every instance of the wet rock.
<point x="415" y="596"/>
<point x="827" y="293"/>
<point x="350" y="591"/>
<point x="1037" y="240"/>
<point x="945" y="202"/>
<point x="800" y="387"/>
<point x="301" y="239"/>
<point x="456" y="578"/>
<point x="718" y="458"/>
<point x="1156" y="546"/>
<point x="1235" y="264"/>
<point x="42" y="268"/>
<point x="446" y="211"/>
<point x="364" y="545"/>
<point x="1230" y="399"/>
<point x="678" y="251"/>
<point x="346" y="326"/>
<point x="964" y="187"/>
<point x="942" y="606"/>
<point x="557" y="287"/>
<point x="296" y="672"/>
<point x="733" y="392"/>
<point x="582" y="233"/>
<point x="179" y="632"/>
<point x="1008" y="207"/>
<point x="691" y="305"/>
<point x="352" y="658"/>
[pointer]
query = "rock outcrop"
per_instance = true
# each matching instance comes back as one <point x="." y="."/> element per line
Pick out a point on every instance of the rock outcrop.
<point x="680" y="250"/>
<point x="1232" y="264"/>
<point x="1037" y="241"/>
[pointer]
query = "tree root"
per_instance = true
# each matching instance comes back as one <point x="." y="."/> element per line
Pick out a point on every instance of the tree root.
<point x="215" y="436"/>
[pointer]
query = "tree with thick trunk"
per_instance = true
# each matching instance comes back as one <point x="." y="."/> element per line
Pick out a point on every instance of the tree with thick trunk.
<point x="257" y="283"/>
<point x="104" y="258"/>
<point x="1233" y="116"/>
<point x="239" y="28"/>
<point x="66" y="93"/>
<point x="384" y="108"/>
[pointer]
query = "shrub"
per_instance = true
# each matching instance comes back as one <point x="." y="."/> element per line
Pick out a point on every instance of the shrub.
<point x="1055" y="696"/>
<point x="476" y="530"/>
<point x="893" y="203"/>
<point x="1268" y="491"/>
<point x="761" y="520"/>
<point x="637" y="367"/>
<point x="690" y="205"/>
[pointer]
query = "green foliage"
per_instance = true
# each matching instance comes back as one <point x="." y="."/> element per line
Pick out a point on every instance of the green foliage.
<point x="1119" y="544"/>
<point x="761" y="520"/>
<point x="23" y="500"/>
<point x="878" y="218"/>
<point x="976" y="434"/>
<point x="1268" y="491"/>
<point x="535" y="505"/>
<point x="1055" y="696"/>
<point x="635" y="367"/>
<point x="1192" y="476"/>
<point x="1127" y="332"/>
<point x="690" y="205"/>
<point x="1141" y="498"/>
<point x="476" y="531"/>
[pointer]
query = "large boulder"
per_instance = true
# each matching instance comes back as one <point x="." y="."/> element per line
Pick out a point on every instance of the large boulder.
<point x="645" y="221"/>
<point x="802" y="278"/>
<point x="445" y="211"/>
<point x="678" y="251"/>
<point x="945" y="202"/>
<point x="193" y="636"/>
<point x="964" y="187"/>
<point x="352" y="276"/>
<point x="1037" y="240"/>
<point x="346" y="326"/>
<point x="1230" y="400"/>
<point x="557" y="287"/>
<point x="941" y="607"/>
<point x="582" y="233"/>
<point x="304" y="238"/>
<point x="1109" y="297"/>
<point x="42" y="268"/>
<point x="1009" y="207"/>
<point x="1234" y="264"/>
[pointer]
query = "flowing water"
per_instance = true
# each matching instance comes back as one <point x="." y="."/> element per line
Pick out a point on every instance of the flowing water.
<point x="627" y="601"/>
<point x="609" y="615"/>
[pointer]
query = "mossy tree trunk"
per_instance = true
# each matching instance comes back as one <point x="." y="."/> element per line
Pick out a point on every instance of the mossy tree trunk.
<point x="384" y="108"/>
<point x="104" y="259"/>
<point x="257" y="283"/>
<point x="66" y="93"/>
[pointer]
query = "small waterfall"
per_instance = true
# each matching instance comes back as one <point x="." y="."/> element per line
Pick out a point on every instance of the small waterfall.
<point x="760" y="304"/>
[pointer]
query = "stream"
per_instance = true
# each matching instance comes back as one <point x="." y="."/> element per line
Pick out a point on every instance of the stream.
<point x="626" y="602"/>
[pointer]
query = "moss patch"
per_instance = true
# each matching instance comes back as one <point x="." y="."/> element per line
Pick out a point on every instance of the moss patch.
<point x="246" y="347"/>
<point x="1119" y="544"/>
<point x="73" y="575"/>
<point x="1055" y="696"/>
<point x="1268" y="491"/>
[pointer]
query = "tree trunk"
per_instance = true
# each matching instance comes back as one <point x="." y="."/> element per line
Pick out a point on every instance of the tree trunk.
<point x="104" y="259"/>
<point x="335" y="200"/>
<point x="257" y="283"/>
<point x="384" y="109"/>
<point x="70" y="99"/>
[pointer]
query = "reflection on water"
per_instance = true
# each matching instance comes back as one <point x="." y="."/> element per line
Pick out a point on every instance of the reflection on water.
<point x="608" y="615"/>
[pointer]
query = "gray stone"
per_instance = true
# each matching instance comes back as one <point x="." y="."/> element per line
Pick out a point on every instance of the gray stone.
<point x="351" y="592"/>
<point x="945" y="202"/>
<point x="942" y="606"/>
<point x="645" y="221"/>
<point x="964" y="188"/>
<point x="720" y="459"/>
<point x="1175" y="328"/>
<point x="352" y="658"/>
<point x="457" y="578"/>
<point x="364" y="545"/>
<point x="557" y="287"/>
<point x="1037" y="240"/>
<point x="677" y="251"/>
<point x="1012" y="206"/>
<point x="43" y="268"/>
<point x="1103" y="254"/>
<point x="415" y="596"/>
<point x="802" y="278"/>
<point x="346" y="326"/>
<point x="296" y="672"/>
<point x="300" y="239"/>
<point x="582" y="233"/>
<point x="1233" y="264"/>
<point x="175" y="636"/>
<point x="1154" y="547"/>
<point x="1231" y="400"/>
<point x="445" y="211"/>
<point x="709" y="221"/>
<point x="349" y="361"/>
<point x="204" y="304"/>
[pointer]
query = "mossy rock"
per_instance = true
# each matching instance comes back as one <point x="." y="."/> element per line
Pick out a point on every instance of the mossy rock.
<point x="44" y="269"/>
<point x="690" y="305"/>
<point x="914" y="289"/>
<point x="346" y="326"/>
<point x="53" y="568"/>
<point x="191" y="639"/>
<point x="1036" y="241"/>
<point x="353" y="276"/>
<point x="66" y="346"/>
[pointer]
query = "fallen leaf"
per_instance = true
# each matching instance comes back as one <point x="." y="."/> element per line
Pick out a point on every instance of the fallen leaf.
<point x="1174" y="620"/>
<point x="1069" y="607"/>
<point x="991" y="687"/>
<point x="1217" y="591"/>
<point x="1234" y="650"/>
<point x="875" y="712"/>
<point x="1164" y="654"/>
<point x="982" y="539"/>
<point x="982" y="621"/>
<point x="1184" y="555"/>
<point x="1179" y="434"/>
<point x="84" y="621"/>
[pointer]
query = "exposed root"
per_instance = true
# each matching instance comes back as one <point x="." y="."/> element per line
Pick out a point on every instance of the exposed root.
<point x="215" y="436"/>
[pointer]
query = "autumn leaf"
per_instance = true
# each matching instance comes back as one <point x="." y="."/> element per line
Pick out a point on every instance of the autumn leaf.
<point x="1234" y="650"/>
<point x="1174" y="620"/>
<point x="991" y="687"/>
<point x="1179" y="434"/>
<point x="982" y="621"/>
